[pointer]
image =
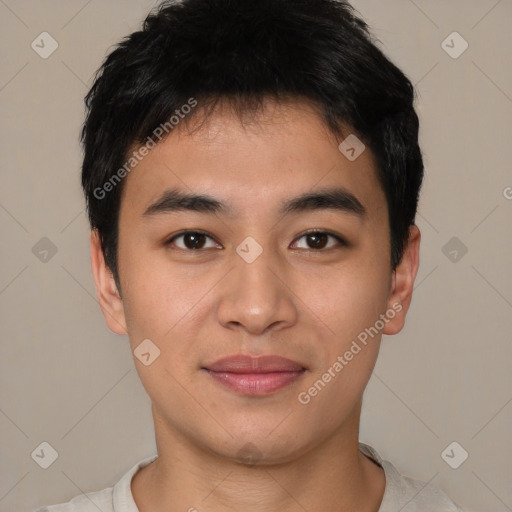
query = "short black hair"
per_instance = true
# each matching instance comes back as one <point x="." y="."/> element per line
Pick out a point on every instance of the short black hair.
<point x="246" y="51"/>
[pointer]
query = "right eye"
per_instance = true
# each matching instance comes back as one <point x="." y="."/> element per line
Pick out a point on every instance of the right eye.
<point x="191" y="241"/>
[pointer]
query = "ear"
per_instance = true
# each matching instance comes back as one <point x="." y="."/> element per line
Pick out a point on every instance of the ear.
<point x="403" y="283"/>
<point x="106" y="289"/>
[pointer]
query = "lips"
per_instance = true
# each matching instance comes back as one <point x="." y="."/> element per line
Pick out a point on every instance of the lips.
<point x="249" y="364"/>
<point x="255" y="376"/>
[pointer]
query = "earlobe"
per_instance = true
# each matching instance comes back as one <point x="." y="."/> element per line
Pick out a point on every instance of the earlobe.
<point x="403" y="283"/>
<point x="106" y="289"/>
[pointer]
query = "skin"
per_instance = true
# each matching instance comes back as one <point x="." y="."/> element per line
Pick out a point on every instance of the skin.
<point x="299" y="302"/>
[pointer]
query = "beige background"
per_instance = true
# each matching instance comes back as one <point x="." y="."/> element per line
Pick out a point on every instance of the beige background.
<point x="66" y="380"/>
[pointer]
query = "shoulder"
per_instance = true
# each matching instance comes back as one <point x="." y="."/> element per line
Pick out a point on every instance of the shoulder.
<point x="416" y="495"/>
<point x="408" y="494"/>
<point x="91" y="502"/>
<point x="113" y="499"/>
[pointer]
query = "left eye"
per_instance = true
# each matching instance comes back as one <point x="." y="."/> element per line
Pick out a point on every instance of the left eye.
<point x="319" y="240"/>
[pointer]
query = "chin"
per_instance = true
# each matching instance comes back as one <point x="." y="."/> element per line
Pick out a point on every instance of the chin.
<point x="258" y="448"/>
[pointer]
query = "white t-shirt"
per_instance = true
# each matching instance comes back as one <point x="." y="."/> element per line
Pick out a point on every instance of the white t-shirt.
<point x="402" y="494"/>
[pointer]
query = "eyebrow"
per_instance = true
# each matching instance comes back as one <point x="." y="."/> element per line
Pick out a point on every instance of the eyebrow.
<point x="338" y="199"/>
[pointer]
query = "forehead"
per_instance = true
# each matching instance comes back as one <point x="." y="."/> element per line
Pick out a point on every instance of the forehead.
<point x="256" y="163"/>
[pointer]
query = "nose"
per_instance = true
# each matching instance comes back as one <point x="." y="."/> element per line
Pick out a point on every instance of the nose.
<point x="256" y="297"/>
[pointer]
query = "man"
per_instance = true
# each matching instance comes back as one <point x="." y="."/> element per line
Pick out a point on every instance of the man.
<point x="252" y="173"/>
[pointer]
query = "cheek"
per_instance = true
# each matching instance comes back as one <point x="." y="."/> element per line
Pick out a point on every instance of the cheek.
<point x="351" y="349"/>
<point x="350" y="304"/>
<point x="165" y="304"/>
<point x="348" y="299"/>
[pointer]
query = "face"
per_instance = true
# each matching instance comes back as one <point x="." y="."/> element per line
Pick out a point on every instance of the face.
<point x="285" y="253"/>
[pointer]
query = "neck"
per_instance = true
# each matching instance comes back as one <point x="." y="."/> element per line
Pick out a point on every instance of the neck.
<point x="331" y="476"/>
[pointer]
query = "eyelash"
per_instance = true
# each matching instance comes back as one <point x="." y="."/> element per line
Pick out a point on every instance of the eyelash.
<point x="338" y="238"/>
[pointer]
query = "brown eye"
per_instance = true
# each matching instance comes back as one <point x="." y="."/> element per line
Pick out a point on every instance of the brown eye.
<point x="318" y="240"/>
<point x="192" y="240"/>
